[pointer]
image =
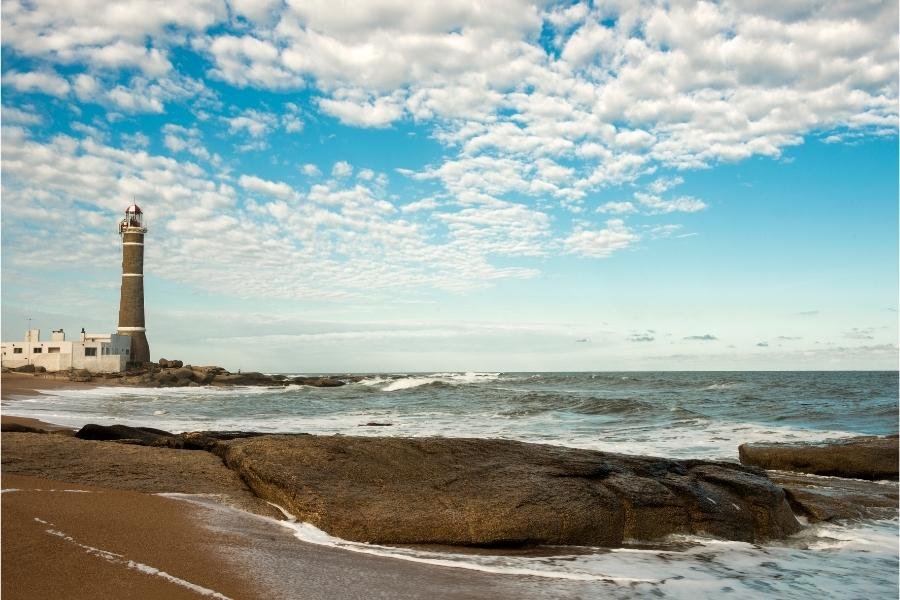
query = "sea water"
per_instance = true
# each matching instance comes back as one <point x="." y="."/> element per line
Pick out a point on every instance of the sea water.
<point x="672" y="414"/>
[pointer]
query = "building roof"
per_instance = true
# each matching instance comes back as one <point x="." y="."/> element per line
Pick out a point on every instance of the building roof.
<point x="134" y="208"/>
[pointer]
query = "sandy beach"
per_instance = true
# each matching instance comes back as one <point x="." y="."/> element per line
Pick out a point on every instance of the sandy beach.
<point x="25" y="384"/>
<point x="64" y="540"/>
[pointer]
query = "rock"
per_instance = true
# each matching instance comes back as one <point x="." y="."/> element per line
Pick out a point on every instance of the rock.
<point x="484" y="492"/>
<point x="375" y="424"/>
<point x="250" y="378"/>
<point x="820" y="498"/>
<point x="29" y="368"/>
<point x="176" y="364"/>
<point x="127" y="467"/>
<point x="79" y="375"/>
<point x="184" y="374"/>
<point x="860" y="458"/>
<point x="163" y="363"/>
<point x="318" y="381"/>
<point x="144" y="435"/>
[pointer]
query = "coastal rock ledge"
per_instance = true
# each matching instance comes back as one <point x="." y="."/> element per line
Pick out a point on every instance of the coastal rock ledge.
<point x="482" y="492"/>
<point x="866" y="457"/>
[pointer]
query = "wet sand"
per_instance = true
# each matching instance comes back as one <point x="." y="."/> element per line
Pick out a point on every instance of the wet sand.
<point x="103" y="543"/>
<point x="28" y="384"/>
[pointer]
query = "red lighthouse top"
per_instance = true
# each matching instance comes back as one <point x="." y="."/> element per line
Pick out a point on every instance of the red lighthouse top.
<point x="134" y="219"/>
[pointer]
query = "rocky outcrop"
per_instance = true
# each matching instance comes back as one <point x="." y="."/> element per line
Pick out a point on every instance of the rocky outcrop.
<point x="821" y="498"/>
<point x="127" y="467"/>
<point x="172" y="373"/>
<point x="146" y="436"/>
<point x="860" y="458"/>
<point x="497" y="492"/>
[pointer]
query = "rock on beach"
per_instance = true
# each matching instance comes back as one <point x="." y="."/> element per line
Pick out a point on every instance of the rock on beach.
<point x="859" y="458"/>
<point x="482" y="492"/>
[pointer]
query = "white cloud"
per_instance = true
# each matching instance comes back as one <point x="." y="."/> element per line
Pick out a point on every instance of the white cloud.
<point x="254" y="123"/>
<point x="185" y="139"/>
<point x="657" y="205"/>
<point x="87" y="88"/>
<point x="343" y="240"/>
<point x="275" y="189"/>
<point x="311" y="170"/>
<point x="13" y="115"/>
<point x="291" y="118"/>
<point x="379" y="112"/>
<point x="601" y="243"/>
<point x="342" y="169"/>
<point x="617" y="208"/>
<point x="121" y="54"/>
<point x="420" y="205"/>
<point x="664" y="184"/>
<point x="38" y="81"/>
<point x="249" y="61"/>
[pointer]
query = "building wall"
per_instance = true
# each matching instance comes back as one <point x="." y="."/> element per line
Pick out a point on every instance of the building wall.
<point x="111" y="353"/>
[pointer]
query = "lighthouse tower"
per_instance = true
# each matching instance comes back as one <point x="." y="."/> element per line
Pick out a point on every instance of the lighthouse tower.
<point x="131" y="304"/>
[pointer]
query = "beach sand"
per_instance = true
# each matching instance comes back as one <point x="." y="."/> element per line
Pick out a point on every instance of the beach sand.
<point x="104" y="543"/>
<point x="28" y="384"/>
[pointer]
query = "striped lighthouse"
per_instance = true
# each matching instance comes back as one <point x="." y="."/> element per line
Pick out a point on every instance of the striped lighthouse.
<point x="131" y="303"/>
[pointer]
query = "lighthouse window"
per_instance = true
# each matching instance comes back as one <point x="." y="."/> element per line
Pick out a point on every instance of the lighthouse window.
<point x="17" y="351"/>
<point x="53" y="349"/>
<point x="37" y="350"/>
<point x="90" y="352"/>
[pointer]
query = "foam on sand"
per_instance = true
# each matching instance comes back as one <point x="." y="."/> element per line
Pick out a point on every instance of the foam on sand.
<point x="118" y="559"/>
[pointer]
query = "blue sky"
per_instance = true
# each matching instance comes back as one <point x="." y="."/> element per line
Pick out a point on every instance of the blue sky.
<point x="452" y="185"/>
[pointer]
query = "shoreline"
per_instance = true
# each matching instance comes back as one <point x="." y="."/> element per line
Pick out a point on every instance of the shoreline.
<point x="32" y="384"/>
<point x="262" y="553"/>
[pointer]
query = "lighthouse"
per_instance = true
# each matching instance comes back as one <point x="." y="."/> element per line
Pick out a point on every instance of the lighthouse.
<point x="131" y="303"/>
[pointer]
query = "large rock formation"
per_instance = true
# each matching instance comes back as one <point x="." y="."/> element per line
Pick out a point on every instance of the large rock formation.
<point x="861" y="458"/>
<point x="127" y="467"/>
<point x="833" y="498"/>
<point x="172" y="373"/>
<point x="497" y="492"/>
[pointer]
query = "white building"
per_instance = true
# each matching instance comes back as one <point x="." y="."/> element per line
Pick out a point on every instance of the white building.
<point x="96" y="352"/>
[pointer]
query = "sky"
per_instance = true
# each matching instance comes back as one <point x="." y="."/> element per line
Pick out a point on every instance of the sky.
<point x="448" y="185"/>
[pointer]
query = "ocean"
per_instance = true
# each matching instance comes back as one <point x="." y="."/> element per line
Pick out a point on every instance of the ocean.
<point x="671" y="414"/>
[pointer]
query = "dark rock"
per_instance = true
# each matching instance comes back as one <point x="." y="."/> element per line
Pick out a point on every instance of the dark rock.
<point x="820" y="498"/>
<point x="29" y="368"/>
<point x="860" y="458"/>
<point x="375" y="424"/>
<point x="318" y="381"/>
<point x="176" y="364"/>
<point x="184" y="373"/>
<point x="497" y="492"/>
<point x="79" y="375"/>
<point x="163" y="363"/>
<point x="145" y="435"/>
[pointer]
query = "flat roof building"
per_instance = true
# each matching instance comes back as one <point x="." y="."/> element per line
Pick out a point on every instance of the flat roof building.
<point x="96" y="352"/>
